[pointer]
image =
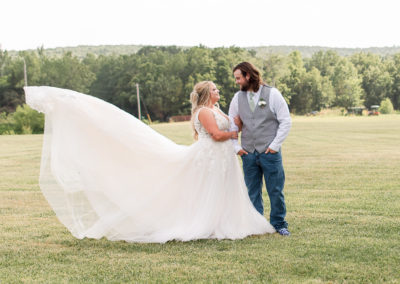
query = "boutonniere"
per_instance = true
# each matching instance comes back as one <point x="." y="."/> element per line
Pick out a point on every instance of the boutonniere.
<point x="261" y="102"/>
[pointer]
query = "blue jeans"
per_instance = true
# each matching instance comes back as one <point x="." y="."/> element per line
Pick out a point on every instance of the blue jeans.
<point x="255" y="165"/>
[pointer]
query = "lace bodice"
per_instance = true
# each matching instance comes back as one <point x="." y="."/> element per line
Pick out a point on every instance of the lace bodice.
<point x="222" y="122"/>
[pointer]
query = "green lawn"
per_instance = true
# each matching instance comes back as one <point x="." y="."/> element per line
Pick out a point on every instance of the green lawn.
<point x="343" y="200"/>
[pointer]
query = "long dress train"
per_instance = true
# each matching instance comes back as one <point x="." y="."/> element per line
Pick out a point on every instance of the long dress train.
<point x="107" y="174"/>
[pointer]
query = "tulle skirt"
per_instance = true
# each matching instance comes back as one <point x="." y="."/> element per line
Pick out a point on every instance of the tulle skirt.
<point x="107" y="174"/>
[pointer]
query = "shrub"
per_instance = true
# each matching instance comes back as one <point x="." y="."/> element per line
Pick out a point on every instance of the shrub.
<point x="386" y="106"/>
<point x="6" y="125"/>
<point x="27" y="120"/>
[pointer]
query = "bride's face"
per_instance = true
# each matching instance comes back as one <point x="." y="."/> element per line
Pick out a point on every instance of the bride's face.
<point x="214" y="94"/>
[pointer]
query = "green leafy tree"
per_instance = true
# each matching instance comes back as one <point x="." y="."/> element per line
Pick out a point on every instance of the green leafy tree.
<point x="320" y="90"/>
<point x="199" y="65"/>
<point x="347" y="85"/>
<point x="66" y="72"/>
<point x="325" y="62"/>
<point x="291" y="84"/>
<point x="274" y="68"/>
<point x="376" y="80"/>
<point x="344" y="77"/>
<point x="386" y="106"/>
<point x="108" y="74"/>
<point x="12" y="78"/>
<point x="393" y="65"/>
<point x="11" y="85"/>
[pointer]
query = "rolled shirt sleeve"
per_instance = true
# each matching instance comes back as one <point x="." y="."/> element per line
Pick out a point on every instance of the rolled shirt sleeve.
<point x="233" y="112"/>
<point x="280" y="108"/>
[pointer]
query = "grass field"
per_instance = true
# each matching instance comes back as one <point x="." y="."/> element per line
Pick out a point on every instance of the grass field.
<point x="343" y="200"/>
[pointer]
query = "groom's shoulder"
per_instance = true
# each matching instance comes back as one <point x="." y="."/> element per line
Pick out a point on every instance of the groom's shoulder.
<point x="237" y="94"/>
<point x="266" y="89"/>
<point x="273" y="90"/>
<point x="267" y="86"/>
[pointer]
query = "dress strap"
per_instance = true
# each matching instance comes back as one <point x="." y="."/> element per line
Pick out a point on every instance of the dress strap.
<point x="198" y="111"/>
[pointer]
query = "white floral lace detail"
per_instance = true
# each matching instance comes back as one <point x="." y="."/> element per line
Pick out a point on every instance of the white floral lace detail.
<point x="222" y="123"/>
<point x="217" y="153"/>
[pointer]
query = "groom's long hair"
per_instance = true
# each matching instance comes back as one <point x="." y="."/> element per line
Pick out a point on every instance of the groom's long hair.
<point x="255" y="78"/>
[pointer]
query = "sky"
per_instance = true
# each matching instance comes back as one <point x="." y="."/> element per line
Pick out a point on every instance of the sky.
<point x="29" y="24"/>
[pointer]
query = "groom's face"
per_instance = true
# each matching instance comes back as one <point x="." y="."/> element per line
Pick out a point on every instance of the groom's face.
<point x="241" y="80"/>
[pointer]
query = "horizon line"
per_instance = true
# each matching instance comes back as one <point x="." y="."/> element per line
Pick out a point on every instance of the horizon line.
<point x="189" y="46"/>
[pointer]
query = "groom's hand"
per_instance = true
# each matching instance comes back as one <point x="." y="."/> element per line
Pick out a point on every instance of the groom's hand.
<point x="238" y="122"/>
<point x="269" y="150"/>
<point x="242" y="152"/>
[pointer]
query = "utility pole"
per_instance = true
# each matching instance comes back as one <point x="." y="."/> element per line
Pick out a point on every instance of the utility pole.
<point x="2" y="63"/>
<point x="138" y="101"/>
<point x="25" y="75"/>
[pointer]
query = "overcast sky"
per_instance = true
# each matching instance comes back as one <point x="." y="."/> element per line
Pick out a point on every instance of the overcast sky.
<point x="28" y="24"/>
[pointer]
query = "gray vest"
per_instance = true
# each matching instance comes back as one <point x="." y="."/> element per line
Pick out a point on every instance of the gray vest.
<point x="259" y="127"/>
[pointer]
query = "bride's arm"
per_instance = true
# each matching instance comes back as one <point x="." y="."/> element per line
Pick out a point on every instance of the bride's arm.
<point x="207" y="119"/>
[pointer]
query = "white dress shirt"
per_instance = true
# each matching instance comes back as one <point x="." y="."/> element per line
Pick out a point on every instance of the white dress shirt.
<point x="278" y="106"/>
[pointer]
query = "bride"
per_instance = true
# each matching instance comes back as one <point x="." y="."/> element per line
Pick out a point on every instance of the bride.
<point x="107" y="174"/>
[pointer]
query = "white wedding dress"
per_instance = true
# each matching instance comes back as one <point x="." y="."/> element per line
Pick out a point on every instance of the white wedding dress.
<point x="107" y="174"/>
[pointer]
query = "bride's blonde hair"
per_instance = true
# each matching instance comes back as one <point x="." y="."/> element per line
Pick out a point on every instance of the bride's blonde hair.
<point x="199" y="97"/>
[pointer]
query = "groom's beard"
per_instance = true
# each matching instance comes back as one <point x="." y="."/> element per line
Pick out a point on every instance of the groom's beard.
<point x="245" y="87"/>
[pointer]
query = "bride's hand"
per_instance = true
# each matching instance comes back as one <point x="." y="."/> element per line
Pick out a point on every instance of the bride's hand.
<point x="238" y="122"/>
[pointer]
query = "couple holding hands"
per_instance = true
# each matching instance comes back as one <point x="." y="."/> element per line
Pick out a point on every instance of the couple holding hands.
<point x="106" y="174"/>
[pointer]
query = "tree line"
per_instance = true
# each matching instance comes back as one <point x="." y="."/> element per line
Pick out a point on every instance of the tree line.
<point x="167" y="74"/>
<point x="306" y="51"/>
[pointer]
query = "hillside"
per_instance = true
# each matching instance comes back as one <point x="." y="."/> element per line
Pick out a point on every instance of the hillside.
<point x="306" y="51"/>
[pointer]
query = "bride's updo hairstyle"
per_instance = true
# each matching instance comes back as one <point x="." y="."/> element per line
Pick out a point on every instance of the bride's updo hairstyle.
<point x="199" y="97"/>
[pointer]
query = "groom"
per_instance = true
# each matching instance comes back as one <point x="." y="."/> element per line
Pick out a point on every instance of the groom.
<point x="265" y="122"/>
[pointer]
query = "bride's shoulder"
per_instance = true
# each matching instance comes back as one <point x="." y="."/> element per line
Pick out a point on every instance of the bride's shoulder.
<point x="205" y="111"/>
